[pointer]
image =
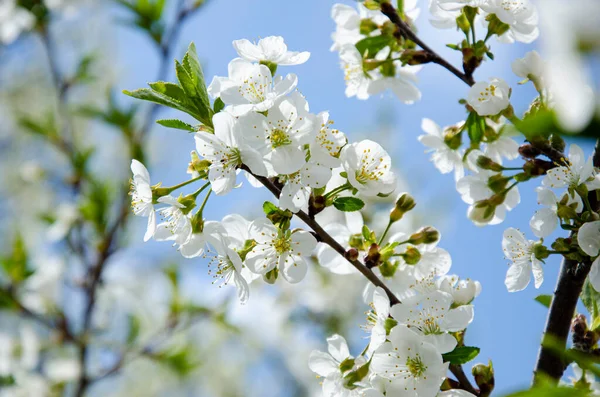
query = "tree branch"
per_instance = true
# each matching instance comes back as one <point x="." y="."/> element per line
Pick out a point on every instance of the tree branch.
<point x="462" y="379"/>
<point x="562" y="309"/>
<point x="326" y="238"/>
<point x="388" y="10"/>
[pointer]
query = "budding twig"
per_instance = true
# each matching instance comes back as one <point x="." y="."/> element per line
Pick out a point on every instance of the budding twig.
<point x="324" y="237"/>
<point x="388" y="10"/>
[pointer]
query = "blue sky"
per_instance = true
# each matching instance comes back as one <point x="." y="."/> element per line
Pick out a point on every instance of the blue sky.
<point x="507" y="327"/>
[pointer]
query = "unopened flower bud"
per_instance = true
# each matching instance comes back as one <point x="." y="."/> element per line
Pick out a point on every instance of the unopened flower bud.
<point x="484" y="377"/>
<point x="482" y="211"/>
<point x="427" y="235"/>
<point x="561" y="245"/>
<point x="352" y="254"/>
<point x="537" y="167"/>
<point x="367" y="26"/>
<point x="497" y="183"/>
<point x="373" y="257"/>
<point x="487" y="163"/>
<point x="356" y="241"/>
<point x="540" y="251"/>
<point x="411" y="256"/>
<point x="404" y="204"/>
<point x="271" y="276"/>
<point x="529" y="151"/>
<point x="188" y="202"/>
<point x="557" y="143"/>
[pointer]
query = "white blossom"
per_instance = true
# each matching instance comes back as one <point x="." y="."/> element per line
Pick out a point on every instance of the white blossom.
<point x="280" y="135"/>
<point x="432" y="317"/>
<point x="489" y="99"/>
<point x="531" y="66"/>
<point x="250" y="87"/>
<point x="229" y="269"/>
<point x="282" y="249"/>
<point x="357" y="81"/>
<point x="570" y="73"/>
<point x="296" y="191"/>
<point x="377" y="317"/>
<point x="520" y="252"/>
<point x="13" y="21"/>
<point x="368" y="167"/>
<point x="588" y="238"/>
<point x="141" y="197"/>
<point x="463" y="291"/>
<point x="445" y="158"/>
<point x="520" y="15"/>
<point x="578" y="171"/>
<point x="227" y="151"/>
<point x="177" y="225"/>
<point x="269" y="49"/>
<point x="402" y="84"/>
<point x="327" y="365"/>
<point x="545" y="220"/>
<point x="410" y="363"/>
<point x="326" y="147"/>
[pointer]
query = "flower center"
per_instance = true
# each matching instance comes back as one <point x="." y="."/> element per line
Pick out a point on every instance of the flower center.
<point x="281" y="245"/>
<point x="485" y="95"/>
<point x="279" y="138"/>
<point x="253" y="91"/>
<point x="430" y="326"/>
<point x="513" y="6"/>
<point x="415" y="366"/>
<point x="371" y="169"/>
<point x="231" y="159"/>
<point x="224" y="272"/>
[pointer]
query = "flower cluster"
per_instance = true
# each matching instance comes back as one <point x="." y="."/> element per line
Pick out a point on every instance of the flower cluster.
<point x="265" y="128"/>
<point x="408" y="339"/>
<point x="262" y="126"/>
<point x="370" y="57"/>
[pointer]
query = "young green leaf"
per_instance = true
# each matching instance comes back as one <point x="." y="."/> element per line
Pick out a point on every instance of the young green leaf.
<point x="177" y="124"/>
<point x="461" y="355"/>
<point x="348" y="204"/>
<point x="544" y="299"/>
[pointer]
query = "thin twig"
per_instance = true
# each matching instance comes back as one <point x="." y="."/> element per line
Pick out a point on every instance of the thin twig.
<point x="388" y="10"/>
<point x="326" y="238"/>
<point x="461" y="377"/>
<point x="106" y="247"/>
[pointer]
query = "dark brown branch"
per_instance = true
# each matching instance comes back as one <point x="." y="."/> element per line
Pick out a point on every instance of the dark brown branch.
<point x="562" y="309"/>
<point x="324" y="237"/>
<point x="462" y="379"/>
<point x="388" y="10"/>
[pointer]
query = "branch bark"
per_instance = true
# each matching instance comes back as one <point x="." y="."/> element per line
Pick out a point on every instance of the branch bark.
<point x="388" y="10"/>
<point x="562" y="309"/>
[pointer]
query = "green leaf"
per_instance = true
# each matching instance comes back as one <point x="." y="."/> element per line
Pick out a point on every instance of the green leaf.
<point x="171" y="90"/>
<point x="475" y="126"/>
<point x="269" y="208"/>
<point x="163" y="99"/>
<point x="134" y="329"/>
<point x="589" y="298"/>
<point x="348" y="204"/>
<point x="551" y="391"/>
<point x="544" y="300"/>
<point x="461" y="355"/>
<point x="370" y="46"/>
<point x="218" y="105"/>
<point x="16" y="265"/>
<point x="194" y="69"/>
<point x="177" y="124"/>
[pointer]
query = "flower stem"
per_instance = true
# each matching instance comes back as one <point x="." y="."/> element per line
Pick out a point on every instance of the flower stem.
<point x="385" y="232"/>
<point x="182" y="184"/>
<point x="337" y="190"/>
